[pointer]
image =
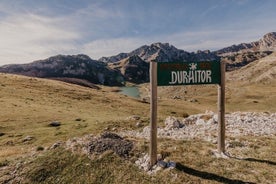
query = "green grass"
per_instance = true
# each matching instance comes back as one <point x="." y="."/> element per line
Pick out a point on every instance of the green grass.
<point x="195" y="163"/>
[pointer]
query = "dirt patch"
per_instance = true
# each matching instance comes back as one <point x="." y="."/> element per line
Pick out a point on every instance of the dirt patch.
<point x="110" y="141"/>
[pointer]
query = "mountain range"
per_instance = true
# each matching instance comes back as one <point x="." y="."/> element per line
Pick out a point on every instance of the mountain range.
<point x="134" y="66"/>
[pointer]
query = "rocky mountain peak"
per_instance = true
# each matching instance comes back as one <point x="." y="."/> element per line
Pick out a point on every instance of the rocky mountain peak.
<point x="134" y="59"/>
<point x="268" y="42"/>
<point x="163" y="46"/>
<point x="203" y="51"/>
<point x="133" y="68"/>
<point x="68" y="66"/>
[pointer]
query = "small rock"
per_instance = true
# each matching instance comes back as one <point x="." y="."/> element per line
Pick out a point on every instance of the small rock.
<point x="162" y="164"/>
<point x="193" y="100"/>
<point x="78" y="119"/>
<point x="55" y="145"/>
<point x="211" y="121"/>
<point x="1" y="134"/>
<point x="171" y="164"/>
<point x="138" y="124"/>
<point x="27" y="138"/>
<point x="133" y="118"/>
<point x="172" y="122"/>
<point x="10" y="143"/>
<point x="200" y="122"/>
<point x="114" y="129"/>
<point x="55" y="124"/>
<point x="159" y="157"/>
<point x="176" y="97"/>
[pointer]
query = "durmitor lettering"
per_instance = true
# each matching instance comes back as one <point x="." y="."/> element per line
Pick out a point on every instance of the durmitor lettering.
<point x="188" y="73"/>
<point x="190" y="77"/>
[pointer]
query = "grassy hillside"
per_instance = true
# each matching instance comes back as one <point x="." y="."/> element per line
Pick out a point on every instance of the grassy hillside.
<point x="259" y="71"/>
<point x="29" y="105"/>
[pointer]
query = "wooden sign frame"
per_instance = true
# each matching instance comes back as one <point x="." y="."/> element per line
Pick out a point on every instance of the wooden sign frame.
<point x="153" y="112"/>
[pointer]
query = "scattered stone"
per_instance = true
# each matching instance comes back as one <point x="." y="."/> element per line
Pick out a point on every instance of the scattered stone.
<point x="211" y="121"/>
<point x="176" y="97"/>
<point x="56" y="145"/>
<point x="193" y="100"/>
<point x="237" y="124"/>
<point x="106" y="129"/>
<point x="138" y="124"/>
<point x="144" y="164"/>
<point x="159" y="157"/>
<point x="200" y="122"/>
<point x="133" y="118"/>
<point x="28" y="138"/>
<point x="171" y="164"/>
<point x="55" y="124"/>
<point x="9" y="143"/>
<point x="162" y="164"/>
<point x="172" y="123"/>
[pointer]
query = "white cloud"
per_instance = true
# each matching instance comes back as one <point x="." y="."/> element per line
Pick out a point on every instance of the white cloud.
<point x="27" y="37"/>
<point x="212" y="39"/>
<point x="188" y="41"/>
<point x="108" y="47"/>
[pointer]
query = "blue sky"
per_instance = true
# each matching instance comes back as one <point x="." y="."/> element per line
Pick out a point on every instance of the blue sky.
<point x="37" y="29"/>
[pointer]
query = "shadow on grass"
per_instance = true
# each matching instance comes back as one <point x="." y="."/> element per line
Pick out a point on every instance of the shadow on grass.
<point x="256" y="160"/>
<point x="209" y="176"/>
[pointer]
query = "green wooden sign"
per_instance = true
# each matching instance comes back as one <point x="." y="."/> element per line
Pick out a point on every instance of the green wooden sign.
<point x="188" y="73"/>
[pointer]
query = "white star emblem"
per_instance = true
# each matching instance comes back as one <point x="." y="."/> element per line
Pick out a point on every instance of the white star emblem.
<point x="193" y="66"/>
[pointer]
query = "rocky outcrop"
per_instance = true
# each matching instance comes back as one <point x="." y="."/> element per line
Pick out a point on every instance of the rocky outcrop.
<point x="162" y="52"/>
<point x="238" y="60"/>
<point x="266" y="43"/>
<point x="133" y="68"/>
<point x="262" y="70"/>
<point x="204" y="126"/>
<point x="70" y="66"/>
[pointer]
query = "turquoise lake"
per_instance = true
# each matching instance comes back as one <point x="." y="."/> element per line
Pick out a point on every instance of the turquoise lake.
<point x="131" y="91"/>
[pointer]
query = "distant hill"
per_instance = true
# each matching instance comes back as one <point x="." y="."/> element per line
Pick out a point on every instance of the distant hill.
<point x="69" y="67"/>
<point x="266" y="43"/>
<point x="133" y="68"/>
<point x="262" y="70"/>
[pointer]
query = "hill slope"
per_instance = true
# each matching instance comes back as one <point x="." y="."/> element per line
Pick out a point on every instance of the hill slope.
<point x="266" y="43"/>
<point x="75" y="66"/>
<point x="262" y="70"/>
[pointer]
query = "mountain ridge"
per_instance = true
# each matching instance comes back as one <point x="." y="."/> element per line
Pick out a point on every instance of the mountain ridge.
<point x="266" y="43"/>
<point x="68" y="66"/>
<point x="162" y="52"/>
<point x="133" y="66"/>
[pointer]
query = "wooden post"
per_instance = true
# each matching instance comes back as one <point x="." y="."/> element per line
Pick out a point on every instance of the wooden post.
<point x="153" y="113"/>
<point x="221" y="110"/>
